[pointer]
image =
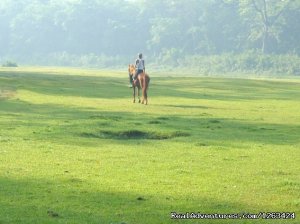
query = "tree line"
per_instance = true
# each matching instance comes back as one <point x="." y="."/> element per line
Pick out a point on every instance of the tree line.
<point x="167" y="30"/>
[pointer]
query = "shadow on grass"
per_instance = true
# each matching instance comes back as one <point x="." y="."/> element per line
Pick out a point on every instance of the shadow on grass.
<point x="55" y="122"/>
<point x="188" y="106"/>
<point x="227" y="89"/>
<point x="73" y="200"/>
<point x="115" y="87"/>
<point x="67" y="85"/>
<point x="135" y="134"/>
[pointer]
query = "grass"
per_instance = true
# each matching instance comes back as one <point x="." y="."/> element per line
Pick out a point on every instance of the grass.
<point x="75" y="149"/>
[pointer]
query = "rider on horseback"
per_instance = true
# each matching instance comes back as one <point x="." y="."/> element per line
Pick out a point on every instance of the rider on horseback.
<point x="139" y="66"/>
<point x="139" y="79"/>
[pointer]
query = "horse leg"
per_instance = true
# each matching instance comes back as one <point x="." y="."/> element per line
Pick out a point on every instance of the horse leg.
<point x="144" y="91"/>
<point x="133" y="94"/>
<point x="139" y="95"/>
<point x="143" y="96"/>
<point x="146" y="88"/>
<point x="141" y="88"/>
<point x="143" y="101"/>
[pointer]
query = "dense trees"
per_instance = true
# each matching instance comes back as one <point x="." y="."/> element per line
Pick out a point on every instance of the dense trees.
<point x="265" y="20"/>
<point x="164" y="29"/>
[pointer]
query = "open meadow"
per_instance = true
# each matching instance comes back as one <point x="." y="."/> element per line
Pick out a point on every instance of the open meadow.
<point x="75" y="149"/>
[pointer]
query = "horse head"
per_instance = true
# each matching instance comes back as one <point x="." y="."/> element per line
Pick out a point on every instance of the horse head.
<point x="131" y="69"/>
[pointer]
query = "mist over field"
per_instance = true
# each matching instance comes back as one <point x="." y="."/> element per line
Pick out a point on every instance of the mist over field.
<point x="220" y="35"/>
<point x="208" y="130"/>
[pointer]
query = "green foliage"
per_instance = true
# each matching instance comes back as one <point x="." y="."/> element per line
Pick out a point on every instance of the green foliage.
<point x="169" y="57"/>
<point x="160" y="27"/>
<point x="10" y="64"/>
<point x="265" y="21"/>
<point x="249" y="63"/>
<point x="90" y="60"/>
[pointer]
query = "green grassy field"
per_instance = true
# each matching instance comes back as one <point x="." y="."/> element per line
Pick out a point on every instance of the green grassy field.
<point x="75" y="149"/>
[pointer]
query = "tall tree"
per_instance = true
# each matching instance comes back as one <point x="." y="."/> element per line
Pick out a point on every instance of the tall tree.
<point x="266" y="19"/>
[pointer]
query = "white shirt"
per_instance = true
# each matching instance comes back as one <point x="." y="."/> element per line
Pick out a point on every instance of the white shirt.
<point x="140" y="64"/>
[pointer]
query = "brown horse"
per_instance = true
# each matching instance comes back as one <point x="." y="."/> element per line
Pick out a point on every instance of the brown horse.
<point x="142" y="82"/>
